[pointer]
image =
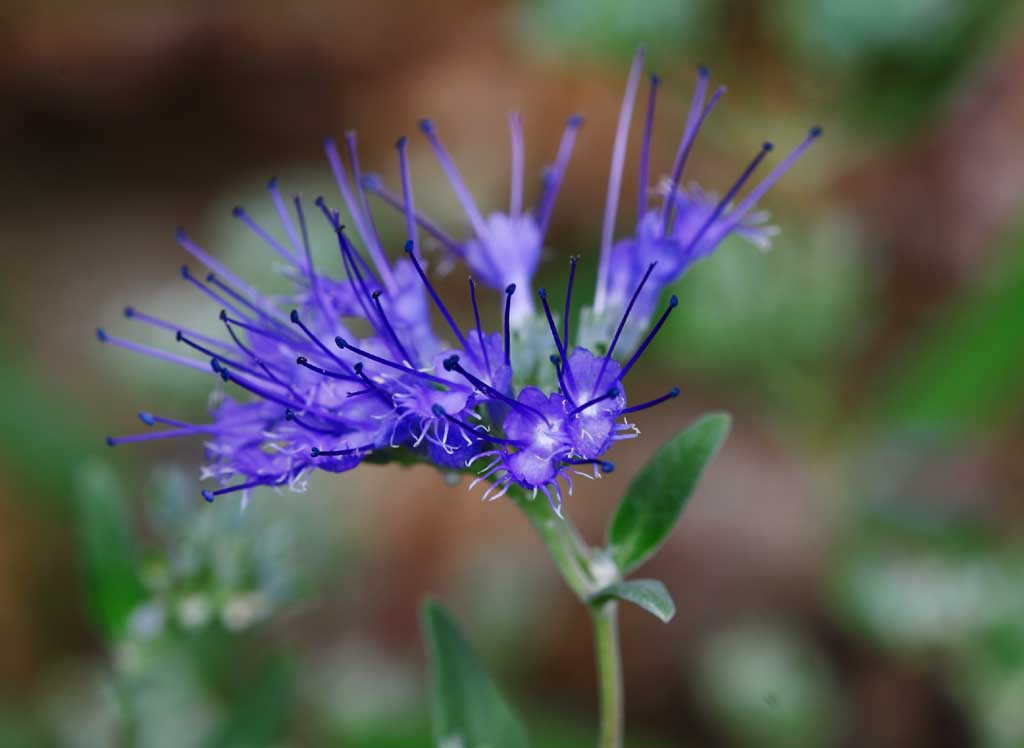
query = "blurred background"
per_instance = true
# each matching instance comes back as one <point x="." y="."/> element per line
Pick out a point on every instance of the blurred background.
<point x="851" y="570"/>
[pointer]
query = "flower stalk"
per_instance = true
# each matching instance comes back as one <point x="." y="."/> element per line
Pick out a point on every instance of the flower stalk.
<point x="609" y="674"/>
<point x="586" y="570"/>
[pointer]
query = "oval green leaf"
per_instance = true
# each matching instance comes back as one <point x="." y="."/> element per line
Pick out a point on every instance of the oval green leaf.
<point x="657" y="495"/>
<point x="649" y="594"/>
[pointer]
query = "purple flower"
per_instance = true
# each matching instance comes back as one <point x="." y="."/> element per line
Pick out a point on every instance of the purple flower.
<point x="689" y="224"/>
<point x="348" y="365"/>
<point x="503" y="248"/>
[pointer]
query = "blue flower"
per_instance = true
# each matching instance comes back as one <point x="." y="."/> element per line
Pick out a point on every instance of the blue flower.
<point x="503" y="248"/>
<point x="689" y="223"/>
<point x="348" y="365"/>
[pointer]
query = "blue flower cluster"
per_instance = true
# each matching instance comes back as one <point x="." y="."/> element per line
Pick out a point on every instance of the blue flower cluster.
<point x="348" y="366"/>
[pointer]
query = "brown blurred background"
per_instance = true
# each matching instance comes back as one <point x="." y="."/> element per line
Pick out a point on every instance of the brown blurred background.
<point x="851" y="571"/>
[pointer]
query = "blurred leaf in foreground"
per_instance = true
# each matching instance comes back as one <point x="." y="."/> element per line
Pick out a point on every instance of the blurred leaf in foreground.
<point x="108" y="551"/>
<point x="44" y="438"/>
<point x="468" y="710"/>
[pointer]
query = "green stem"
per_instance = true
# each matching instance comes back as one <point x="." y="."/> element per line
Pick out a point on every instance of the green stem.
<point x="584" y="573"/>
<point x="567" y="549"/>
<point x="609" y="673"/>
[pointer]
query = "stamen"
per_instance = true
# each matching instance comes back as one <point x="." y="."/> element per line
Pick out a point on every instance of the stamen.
<point x="317" y="452"/>
<point x="515" y="199"/>
<point x="214" y="265"/>
<point x="375" y="250"/>
<point x="672" y="304"/>
<point x="509" y="290"/>
<point x="557" y="360"/>
<point x="556" y="506"/>
<point x="319" y="344"/>
<point x="645" y="149"/>
<point x="245" y="349"/>
<point x="149" y="419"/>
<point x="132" y="313"/>
<point x="694" y="119"/>
<point x="543" y="294"/>
<point x="487" y="472"/>
<point x="284" y="217"/>
<point x="727" y="198"/>
<point x="606" y="467"/>
<point x="216" y="298"/>
<point x="568" y="299"/>
<point x="344" y="344"/>
<point x="275" y="379"/>
<point x="182" y="338"/>
<point x="151" y="436"/>
<point x="437" y="299"/>
<point x="212" y="279"/>
<point x="553" y="181"/>
<point x="355" y="277"/>
<point x="479" y="331"/>
<point x="500" y="487"/>
<point x="440" y="412"/>
<point x="211" y="495"/>
<point x="257" y="330"/>
<point x="452" y="364"/>
<point x="146" y="350"/>
<point x="407" y="197"/>
<point x="674" y="392"/>
<point x="333" y="218"/>
<point x="314" y="279"/>
<point x="304" y="362"/>
<point x="609" y="395"/>
<point x="461" y="192"/>
<point x="622" y="322"/>
<point x="357" y="180"/>
<point x="391" y="330"/>
<point x="735" y="216"/>
<point x="290" y="415"/>
<point x="615" y="178"/>
<point x="374" y="187"/>
<point x="240" y="213"/>
<point x="690" y="130"/>
<point x="372" y="386"/>
<point x="228" y="376"/>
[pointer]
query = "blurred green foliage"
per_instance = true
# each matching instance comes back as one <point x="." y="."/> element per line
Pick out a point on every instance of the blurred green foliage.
<point x="781" y="323"/>
<point x="766" y="686"/>
<point x="962" y="376"/>
<point x="45" y="437"/>
<point x="189" y="602"/>
<point x="608" y="31"/>
<point x="107" y="544"/>
<point x="895" y="63"/>
<point x="946" y="590"/>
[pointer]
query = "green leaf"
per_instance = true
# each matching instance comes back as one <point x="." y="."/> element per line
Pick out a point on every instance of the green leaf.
<point x="45" y="437"/>
<point x="649" y="594"/>
<point x="963" y="377"/>
<point x="468" y="711"/>
<point x="258" y="714"/>
<point x="658" y="494"/>
<point x="107" y="549"/>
